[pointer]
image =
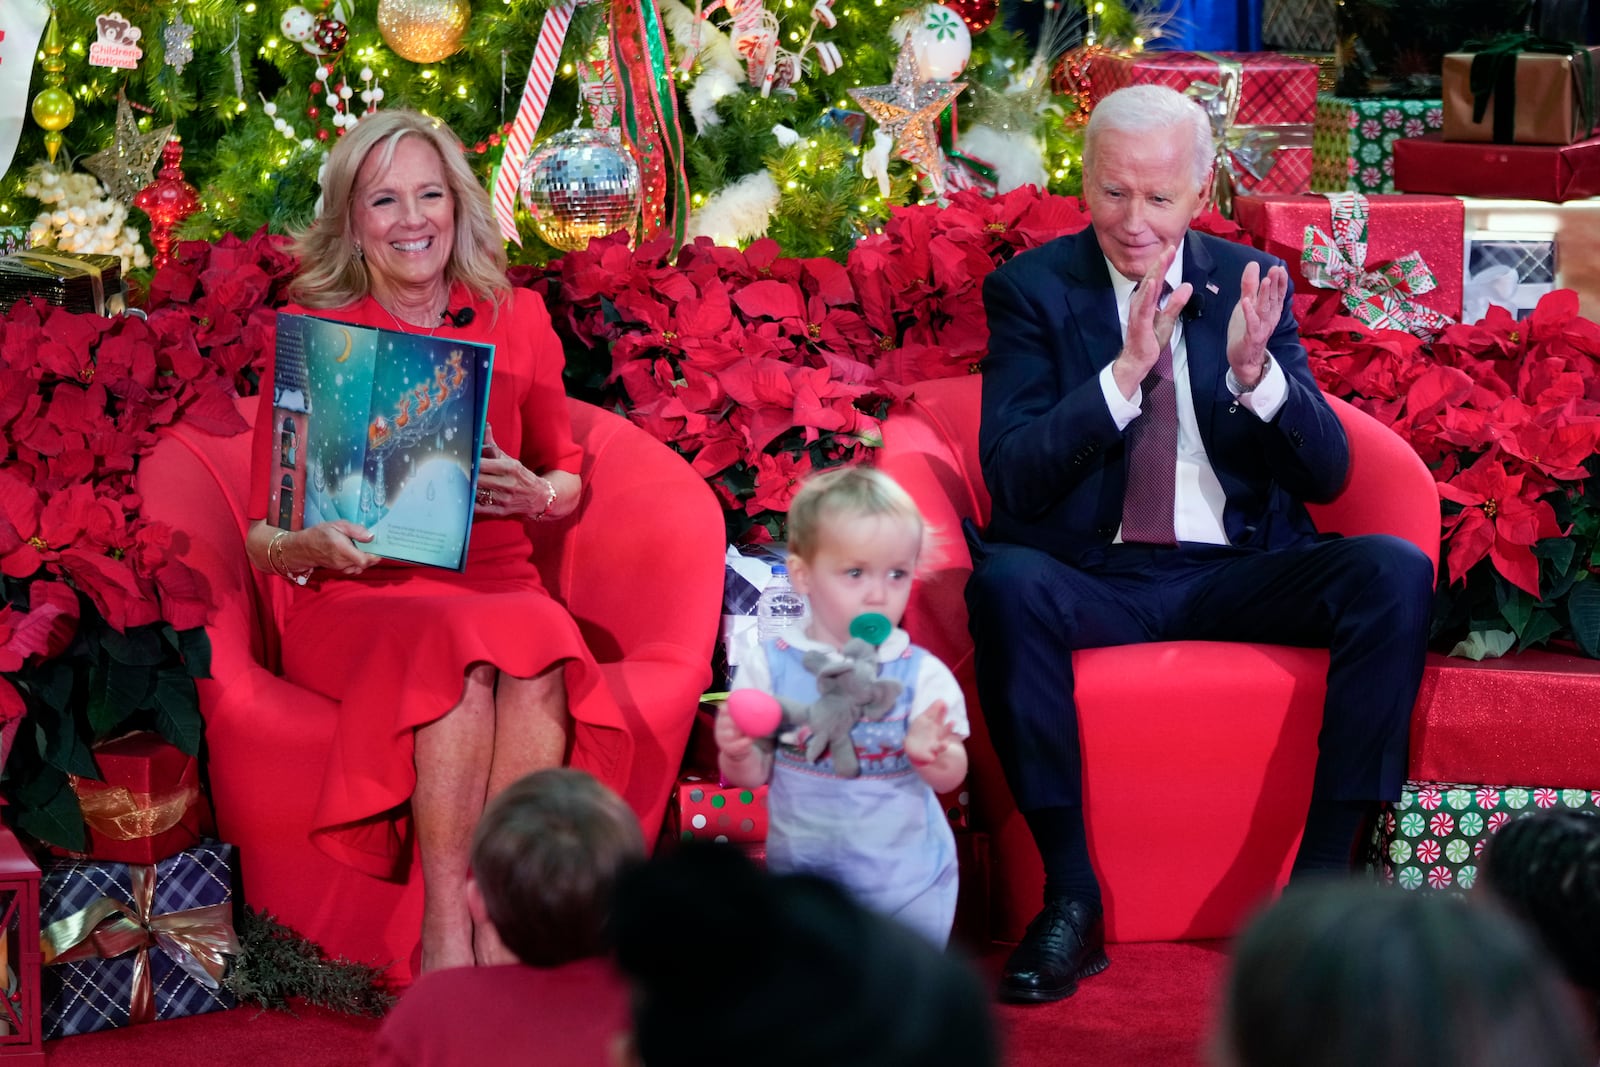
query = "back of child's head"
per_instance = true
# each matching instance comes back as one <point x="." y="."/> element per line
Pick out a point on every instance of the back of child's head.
<point x="546" y="857"/>
<point x="1545" y="868"/>
<point x="850" y="492"/>
<point x="731" y="964"/>
<point x="1347" y="973"/>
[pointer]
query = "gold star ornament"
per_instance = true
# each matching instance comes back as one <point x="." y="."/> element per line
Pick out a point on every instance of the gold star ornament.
<point x="908" y="110"/>
<point x="130" y="163"/>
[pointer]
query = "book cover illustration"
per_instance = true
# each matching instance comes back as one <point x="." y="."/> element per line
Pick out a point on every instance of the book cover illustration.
<point x="381" y="428"/>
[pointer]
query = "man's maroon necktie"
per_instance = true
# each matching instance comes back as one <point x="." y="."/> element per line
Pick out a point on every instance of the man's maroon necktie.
<point x="1147" y="505"/>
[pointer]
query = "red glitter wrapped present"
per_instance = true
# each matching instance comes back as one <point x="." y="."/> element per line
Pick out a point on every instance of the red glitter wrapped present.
<point x="1396" y="227"/>
<point x="1522" y="718"/>
<point x="1262" y="107"/>
<point x="1512" y="171"/>
<point x="148" y="807"/>
<point x="703" y="810"/>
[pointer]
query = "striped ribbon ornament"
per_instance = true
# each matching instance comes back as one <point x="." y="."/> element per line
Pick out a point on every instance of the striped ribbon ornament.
<point x="530" y="112"/>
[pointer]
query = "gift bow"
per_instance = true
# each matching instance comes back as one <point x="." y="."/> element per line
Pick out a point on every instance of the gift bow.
<point x="1241" y="149"/>
<point x="199" y="940"/>
<point x="1382" y="298"/>
<point x="1493" y="75"/>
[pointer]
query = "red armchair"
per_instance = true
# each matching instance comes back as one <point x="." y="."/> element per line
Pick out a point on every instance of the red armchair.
<point x="1198" y="755"/>
<point x="640" y="569"/>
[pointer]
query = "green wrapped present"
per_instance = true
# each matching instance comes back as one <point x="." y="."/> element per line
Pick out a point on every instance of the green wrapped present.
<point x="1352" y="145"/>
<point x="1432" y="838"/>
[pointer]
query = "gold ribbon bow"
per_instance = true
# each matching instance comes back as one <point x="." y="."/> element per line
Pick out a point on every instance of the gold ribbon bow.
<point x="1241" y="148"/>
<point x="120" y="814"/>
<point x="199" y="940"/>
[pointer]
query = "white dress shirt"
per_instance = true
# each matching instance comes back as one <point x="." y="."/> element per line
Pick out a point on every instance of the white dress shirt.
<point x="1199" y="499"/>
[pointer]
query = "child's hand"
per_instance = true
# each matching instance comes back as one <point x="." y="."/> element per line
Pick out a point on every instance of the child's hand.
<point x="929" y="735"/>
<point x="732" y="742"/>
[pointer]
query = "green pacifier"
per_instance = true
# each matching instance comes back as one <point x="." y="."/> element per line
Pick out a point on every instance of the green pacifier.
<point x="871" y="627"/>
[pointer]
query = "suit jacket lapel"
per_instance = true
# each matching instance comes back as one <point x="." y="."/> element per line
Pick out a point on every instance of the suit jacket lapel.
<point x="1206" y="334"/>
<point x="1089" y="295"/>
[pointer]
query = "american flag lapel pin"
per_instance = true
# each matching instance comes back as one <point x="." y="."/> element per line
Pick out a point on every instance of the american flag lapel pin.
<point x="1211" y="287"/>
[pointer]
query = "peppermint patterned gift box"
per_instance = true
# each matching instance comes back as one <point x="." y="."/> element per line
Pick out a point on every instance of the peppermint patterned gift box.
<point x="1433" y="837"/>
<point x="1352" y="146"/>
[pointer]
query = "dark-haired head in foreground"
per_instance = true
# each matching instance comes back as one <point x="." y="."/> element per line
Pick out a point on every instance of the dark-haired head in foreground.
<point x="730" y="964"/>
<point x="1545" y="869"/>
<point x="1341" y="973"/>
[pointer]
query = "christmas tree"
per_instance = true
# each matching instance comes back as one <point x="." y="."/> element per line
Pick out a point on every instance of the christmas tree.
<point x="773" y="140"/>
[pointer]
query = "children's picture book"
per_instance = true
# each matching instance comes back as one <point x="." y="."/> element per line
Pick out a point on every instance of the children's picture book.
<point x="382" y="428"/>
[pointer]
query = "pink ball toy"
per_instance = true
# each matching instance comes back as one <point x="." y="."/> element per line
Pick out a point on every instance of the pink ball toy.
<point x="755" y="713"/>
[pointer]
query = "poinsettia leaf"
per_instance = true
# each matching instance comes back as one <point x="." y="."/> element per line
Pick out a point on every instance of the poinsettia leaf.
<point x="1583" y="612"/>
<point x="50" y="812"/>
<point x="1516" y="607"/>
<point x="1543" y="626"/>
<point x="1484" y="644"/>
<point x="64" y="747"/>
<point x="178" y="712"/>
<point x="116" y="692"/>
<point x="1558" y="551"/>
<point x="195" y="646"/>
<point x="139" y="647"/>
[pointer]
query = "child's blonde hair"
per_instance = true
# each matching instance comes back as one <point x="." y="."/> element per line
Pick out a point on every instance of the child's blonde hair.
<point x="852" y="491"/>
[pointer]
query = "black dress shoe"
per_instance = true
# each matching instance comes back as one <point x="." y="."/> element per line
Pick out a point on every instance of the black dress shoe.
<point x="1064" y="942"/>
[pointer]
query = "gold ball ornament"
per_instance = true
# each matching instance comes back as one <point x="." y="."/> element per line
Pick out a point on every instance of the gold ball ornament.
<point x="53" y="108"/>
<point x="423" y="31"/>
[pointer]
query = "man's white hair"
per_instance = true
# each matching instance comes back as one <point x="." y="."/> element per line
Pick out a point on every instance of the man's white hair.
<point x="1147" y="109"/>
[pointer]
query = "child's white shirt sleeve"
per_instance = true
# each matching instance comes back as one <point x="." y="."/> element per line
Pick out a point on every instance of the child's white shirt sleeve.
<point x="935" y="683"/>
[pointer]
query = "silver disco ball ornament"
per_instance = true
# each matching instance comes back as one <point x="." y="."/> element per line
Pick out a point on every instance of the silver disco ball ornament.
<point x="581" y="184"/>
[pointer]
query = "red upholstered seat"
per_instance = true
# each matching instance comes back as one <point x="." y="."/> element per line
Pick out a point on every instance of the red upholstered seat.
<point x="641" y="571"/>
<point x="1198" y="755"/>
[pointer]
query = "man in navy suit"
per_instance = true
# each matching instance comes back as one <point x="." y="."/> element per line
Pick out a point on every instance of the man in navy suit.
<point x="1149" y="457"/>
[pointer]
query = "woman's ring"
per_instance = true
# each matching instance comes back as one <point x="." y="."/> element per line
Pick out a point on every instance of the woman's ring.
<point x="486" y="497"/>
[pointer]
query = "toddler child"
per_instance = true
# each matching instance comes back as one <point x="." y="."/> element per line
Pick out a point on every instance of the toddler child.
<point x="854" y="540"/>
<point x="545" y="860"/>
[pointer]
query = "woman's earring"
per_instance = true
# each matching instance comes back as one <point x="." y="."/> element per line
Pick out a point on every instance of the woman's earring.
<point x="359" y="253"/>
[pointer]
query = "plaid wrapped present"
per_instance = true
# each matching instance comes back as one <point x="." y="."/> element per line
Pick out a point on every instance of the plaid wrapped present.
<point x="1353" y="145"/>
<point x="1432" y="837"/>
<point x="81" y="282"/>
<point x="1289" y="25"/>
<point x="130" y="944"/>
<point x="1261" y="106"/>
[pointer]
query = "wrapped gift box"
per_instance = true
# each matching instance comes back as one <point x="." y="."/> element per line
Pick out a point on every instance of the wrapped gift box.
<point x="747" y="570"/>
<point x="1557" y="173"/>
<point x="1397" y="226"/>
<point x="1392" y="49"/>
<point x="1433" y="837"/>
<point x="1574" y="227"/>
<point x="127" y="944"/>
<point x="1277" y="102"/>
<point x="78" y="281"/>
<point x="1353" y="146"/>
<point x="1299" y="24"/>
<point x="704" y="810"/>
<point x="1537" y="99"/>
<point x="148" y="806"/>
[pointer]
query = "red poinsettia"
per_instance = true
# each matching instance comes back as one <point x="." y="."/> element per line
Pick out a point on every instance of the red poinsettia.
<point x="1498" y="519"/>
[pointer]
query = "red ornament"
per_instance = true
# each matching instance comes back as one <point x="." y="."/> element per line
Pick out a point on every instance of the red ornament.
<point x="322" y="135"/>
<point x="977" y="14"/>
<point x="168" y="201"/>
<point x="330" y="36"/>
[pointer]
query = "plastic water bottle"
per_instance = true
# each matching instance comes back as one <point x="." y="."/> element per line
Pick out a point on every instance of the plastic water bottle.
<point x="780" y="607"/>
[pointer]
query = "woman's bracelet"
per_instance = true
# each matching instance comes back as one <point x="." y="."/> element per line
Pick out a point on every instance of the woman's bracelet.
<point x="279" y="565"/>
<point x="549" y="501"/>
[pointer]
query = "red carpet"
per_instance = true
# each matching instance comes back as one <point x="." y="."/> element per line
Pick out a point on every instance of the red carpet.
<point x="1152" y="1008"/>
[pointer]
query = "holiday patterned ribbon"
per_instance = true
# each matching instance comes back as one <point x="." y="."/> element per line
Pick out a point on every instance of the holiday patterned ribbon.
<point x="199" y="940"/>
<point x="530" y="112"/>
<point x="1241" y="148"/>
<point x="1382" y="298"/>
<point x="643" y="66"/>
<point x="961" y="170"/>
